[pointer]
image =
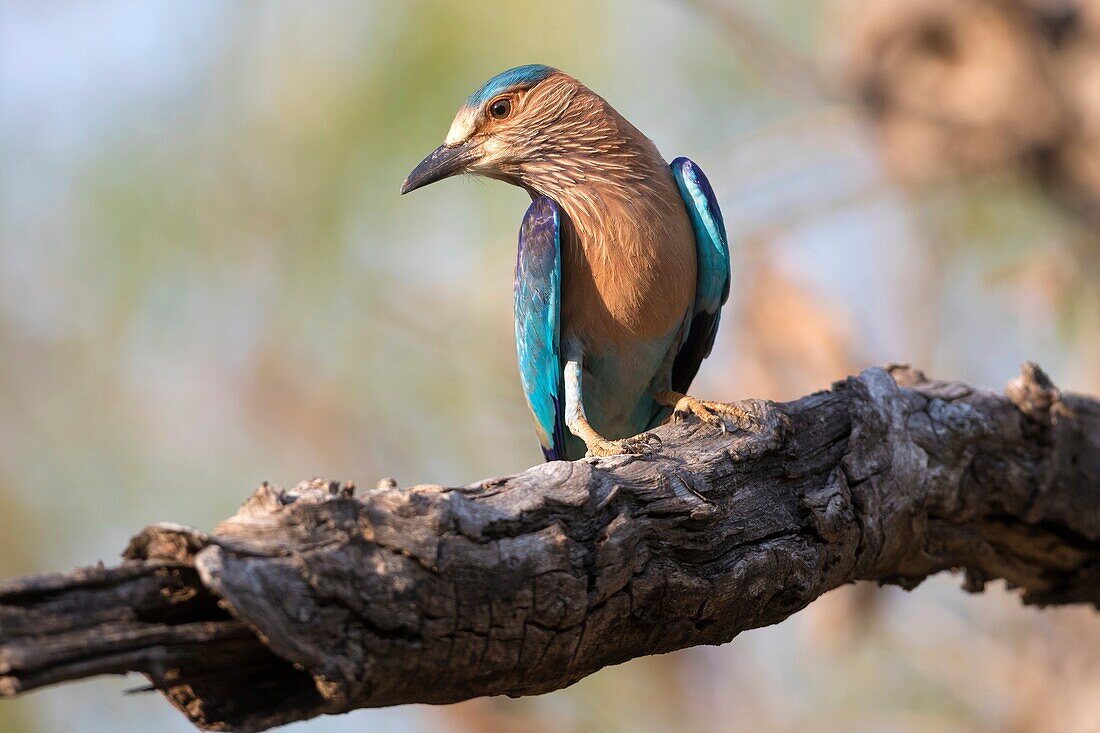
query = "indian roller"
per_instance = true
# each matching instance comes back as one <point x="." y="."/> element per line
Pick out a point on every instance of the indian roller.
<point x="622" y="267"/>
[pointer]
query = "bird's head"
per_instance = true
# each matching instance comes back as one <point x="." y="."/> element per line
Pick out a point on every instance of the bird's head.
<point x="534" y="127"/>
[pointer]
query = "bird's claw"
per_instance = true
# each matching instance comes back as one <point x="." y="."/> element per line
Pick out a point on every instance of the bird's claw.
<point x="715" y="414"/>
<point x="639" y="445"/>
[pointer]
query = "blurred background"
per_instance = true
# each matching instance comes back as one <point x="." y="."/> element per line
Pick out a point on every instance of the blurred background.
<point x="207" y="280"/>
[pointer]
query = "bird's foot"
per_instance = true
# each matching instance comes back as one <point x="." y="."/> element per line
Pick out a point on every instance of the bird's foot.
<point x="639" y="445"/>
<point x="720" y="415"/>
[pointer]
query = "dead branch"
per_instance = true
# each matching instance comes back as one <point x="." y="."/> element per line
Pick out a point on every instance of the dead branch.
<point x="313" y="600"/>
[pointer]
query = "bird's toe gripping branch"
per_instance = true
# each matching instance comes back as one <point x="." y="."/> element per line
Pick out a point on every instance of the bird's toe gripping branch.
<point x="719" y="415"/>
<point x="639" y="445"/>
<point x="754" y="426"/>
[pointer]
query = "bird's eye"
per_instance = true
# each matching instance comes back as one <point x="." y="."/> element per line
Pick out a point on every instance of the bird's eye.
<point x="500" y="108"/>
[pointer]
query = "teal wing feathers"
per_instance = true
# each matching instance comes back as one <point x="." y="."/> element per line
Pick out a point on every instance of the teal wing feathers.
<point x="713" y="274"/>
<point x="538" y="322"/>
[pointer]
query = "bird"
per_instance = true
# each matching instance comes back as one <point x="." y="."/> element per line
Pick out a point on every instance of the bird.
<point x="622" y="266"/>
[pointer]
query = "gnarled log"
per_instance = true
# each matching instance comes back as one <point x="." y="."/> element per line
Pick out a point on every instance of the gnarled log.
<point x="314" y="600"/>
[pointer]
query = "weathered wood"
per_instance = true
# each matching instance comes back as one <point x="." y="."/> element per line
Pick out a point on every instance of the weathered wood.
<point x="313" y="600"/>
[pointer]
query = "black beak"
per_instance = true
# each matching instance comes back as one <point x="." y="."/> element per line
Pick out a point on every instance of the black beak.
<point x="445" y="161"/>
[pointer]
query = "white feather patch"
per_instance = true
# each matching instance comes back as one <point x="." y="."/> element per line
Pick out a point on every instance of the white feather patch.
<point x="462" y="127"/>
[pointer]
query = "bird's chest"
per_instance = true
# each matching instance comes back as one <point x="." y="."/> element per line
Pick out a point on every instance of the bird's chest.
<point x="628" y="287"/>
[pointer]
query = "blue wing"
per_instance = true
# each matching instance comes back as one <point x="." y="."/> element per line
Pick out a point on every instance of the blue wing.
<point x="713" y="278"/>
<point x="538" y="322"/>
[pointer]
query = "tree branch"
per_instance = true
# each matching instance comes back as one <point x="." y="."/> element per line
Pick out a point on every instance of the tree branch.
<point x="314" y="601"/>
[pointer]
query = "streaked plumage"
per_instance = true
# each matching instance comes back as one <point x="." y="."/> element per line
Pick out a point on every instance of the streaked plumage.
<point x="622" y="265"/>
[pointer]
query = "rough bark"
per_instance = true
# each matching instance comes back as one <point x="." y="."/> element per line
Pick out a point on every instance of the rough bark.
<point x="314" y="600"/>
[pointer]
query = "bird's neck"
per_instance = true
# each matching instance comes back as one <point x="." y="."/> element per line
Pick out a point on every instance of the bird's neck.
<point x="591" y="160"/>
<point x="628" y="258"/>
<point x="615" y="189"/>
<point x="629" y="254"/>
